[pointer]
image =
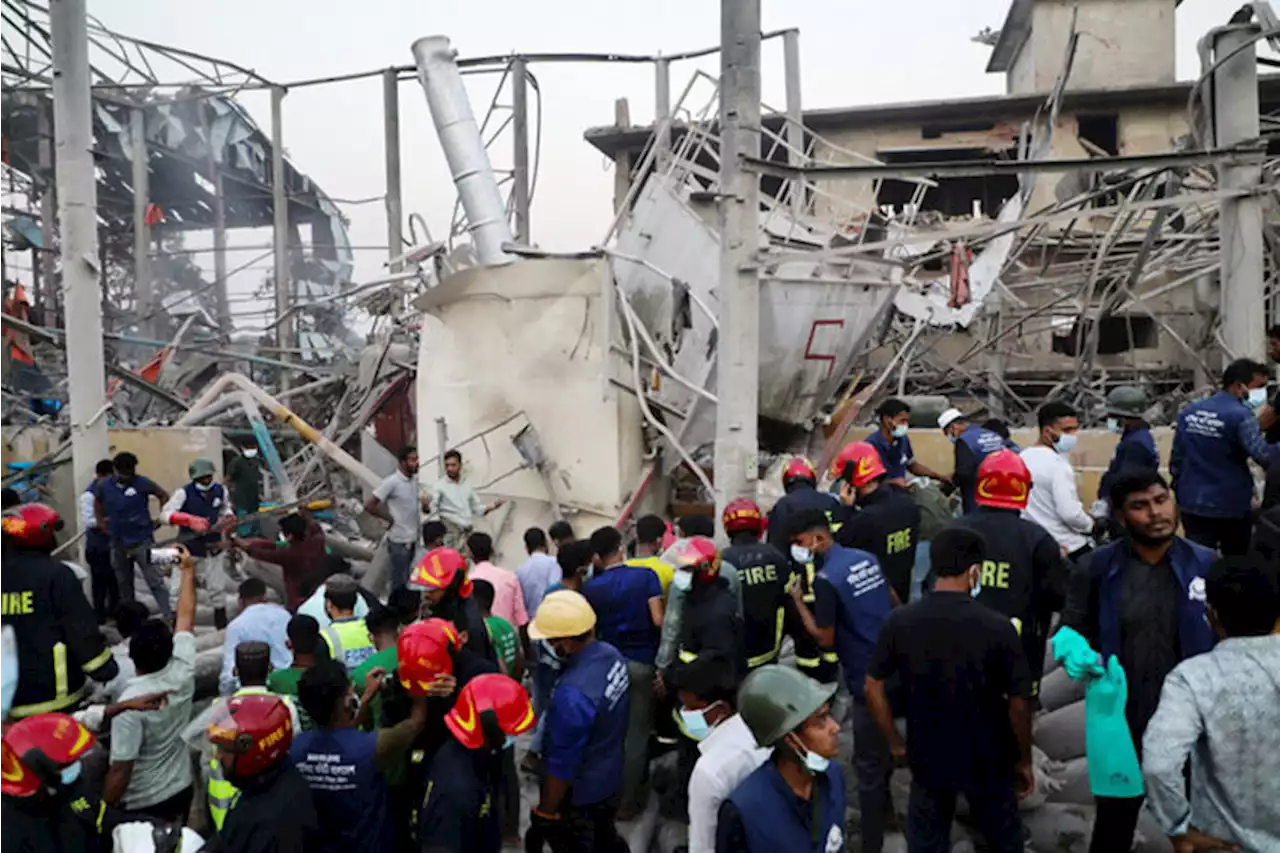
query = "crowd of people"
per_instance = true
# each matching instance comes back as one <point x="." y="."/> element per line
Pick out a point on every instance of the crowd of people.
<point x="350" y="722"/>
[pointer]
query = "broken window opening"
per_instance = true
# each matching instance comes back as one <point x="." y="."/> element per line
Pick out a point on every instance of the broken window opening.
<point x="953" y="196"/>
<point x="1101" y="132"/>
<point x="1116" y="334"/>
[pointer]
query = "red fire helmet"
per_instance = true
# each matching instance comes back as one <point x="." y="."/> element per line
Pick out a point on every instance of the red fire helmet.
<point x="424" y="650"/>
<point x="742" y="515"/>
<point x="698" y="555"/>
<point x="490" y="709"/>
<point x="257" y="728"/>
<point x="440" y="568"/>
<point x="1003" y="481"/>
<point x="35" y="749"/>
<point x="31" y="526"/>
<point x="858" y="462"/>
<point x="799" y="468"/>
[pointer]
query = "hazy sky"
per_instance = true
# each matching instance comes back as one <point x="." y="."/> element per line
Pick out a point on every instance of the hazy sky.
<point x="852" y="52"/>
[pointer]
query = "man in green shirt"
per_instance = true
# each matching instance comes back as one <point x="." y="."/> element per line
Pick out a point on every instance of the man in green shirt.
<point x="502" y="634"/>
<point x="308" y="649"/>
<point x="243" y="476"/>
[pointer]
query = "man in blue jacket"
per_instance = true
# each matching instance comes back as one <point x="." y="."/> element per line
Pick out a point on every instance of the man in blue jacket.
<point x="1142" y="599"/>
<point x="860" y="604"/>
<point x="585" y="728"/>
<point x="122" y="508"/>
<point x="1126" y="405"/>
<point x="1212" y="446"/>
<point x="973" y="444"/>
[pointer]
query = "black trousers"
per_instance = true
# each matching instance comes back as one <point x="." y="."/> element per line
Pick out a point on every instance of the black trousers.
<point x="1229" y="535"/>
<point x="873" y="765"/>
<point x="173" y="810"/>
<point x="592" y="829"/>
<point x="1115" y="824"/>
<point x="106" y="590"/>
<point x="993" y="805"/>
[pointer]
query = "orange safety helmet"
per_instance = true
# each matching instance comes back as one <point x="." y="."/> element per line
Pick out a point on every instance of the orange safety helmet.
<point x="257" y="728"/>
<point x="1003" y="481"/>
<point x="699" y="555"/>
<point x="489" y="710"/>
<point x="441" y="568"/>
<point x="36" y="749"/>
<point x="799" y="468"/>
<point x="424" y="650"/>
<point x="742" y="515"/>
<point x="858" y="462"/>
<point x="31" y="526"/>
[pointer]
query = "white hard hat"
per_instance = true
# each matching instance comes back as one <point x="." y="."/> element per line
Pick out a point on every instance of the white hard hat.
<point x="949" y="417"/>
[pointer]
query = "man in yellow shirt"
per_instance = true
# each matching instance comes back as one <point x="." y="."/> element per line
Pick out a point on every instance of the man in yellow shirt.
<point x="650" y="531"/>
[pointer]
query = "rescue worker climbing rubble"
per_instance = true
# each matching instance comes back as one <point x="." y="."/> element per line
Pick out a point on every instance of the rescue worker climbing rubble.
<point x="122" y="508"/>
<point x="59" y="647"/>
<point x="795" y="800"/>
<point x="199" y="506"/>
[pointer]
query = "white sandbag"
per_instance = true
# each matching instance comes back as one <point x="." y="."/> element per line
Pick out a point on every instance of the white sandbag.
<point x="211" y="640"/>
<point x="1074" y="780"/>
<point x="208" y="667"/>
<point x="1060" y="827"/>
<point x="138" y="837"/>
<point x="1048" y="781"/>
<point x="268" y="573"/>
<point x="377" y="579"/>
<point x="1060" y="733"/>
<point x="1150" y="838"/>
<point x="1057" y="690"/>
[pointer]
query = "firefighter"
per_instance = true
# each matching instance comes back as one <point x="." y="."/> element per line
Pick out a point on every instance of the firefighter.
<point x="441" y="576"/>
<point x="973" y="444"/>
<point x="764" y="571"/>
<point x="800" y="480"/>
<point x="711" y="623"/>
<point x="460" y="808"/>
<point x="887" y="523"/>
<point x="1024" y="575"/>
<point x="59" y="646"/>
<point x="795" y="800"/>
<point x="273" y="811"/>
<point x="199" y="506"/>
<point x="44" y="810"/>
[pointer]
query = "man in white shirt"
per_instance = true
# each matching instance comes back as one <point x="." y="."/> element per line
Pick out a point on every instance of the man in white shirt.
<point x="538" y="572"/>
<point x="456" y="503"/>
<point x="1054" y="503"/>
<point x="259" y="621"/>
<point x="708" y="714"/>
<point x="397" y="501"/>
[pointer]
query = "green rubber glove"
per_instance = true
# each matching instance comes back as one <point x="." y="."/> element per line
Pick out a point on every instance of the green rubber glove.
<point x="1114" y="770"/>
<point x="1075" y="654"/>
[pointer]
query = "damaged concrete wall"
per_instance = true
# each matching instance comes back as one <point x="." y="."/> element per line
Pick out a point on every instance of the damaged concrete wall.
<point x="1122" y="43"/>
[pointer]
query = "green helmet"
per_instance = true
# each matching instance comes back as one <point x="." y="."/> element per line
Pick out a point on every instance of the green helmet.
<point x="776" y="699"/>
<point x="201" y="468"/>
<point x="1128" y="401"/>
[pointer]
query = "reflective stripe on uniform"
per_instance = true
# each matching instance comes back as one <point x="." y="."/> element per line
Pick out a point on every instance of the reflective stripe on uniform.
<point x="810" y="572"/>
<point x="97" y="661"/>
<point x="59" y="669"/>
<point x="687" y="657"/>
<point x="807" y="663"/>
<point x="221" y="793"/>
<point x="58" y="703"/>
<point x="771" y="655"/>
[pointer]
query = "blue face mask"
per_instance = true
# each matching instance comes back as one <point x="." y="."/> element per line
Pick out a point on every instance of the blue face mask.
<point x="801" y="554"/>
<point x="901" y="430"/>
<point x="951" y="438"/>
<point x="682" y="580"/>
<point x="976" y="589"/>
<point x="70" y="773"/>
<point x="1114" y="425"/>
<point x="510" y="742"/>
<point x="695" y="723"/>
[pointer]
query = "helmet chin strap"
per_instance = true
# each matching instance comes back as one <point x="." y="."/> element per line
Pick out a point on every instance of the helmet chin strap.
<point x="494" y="737"/>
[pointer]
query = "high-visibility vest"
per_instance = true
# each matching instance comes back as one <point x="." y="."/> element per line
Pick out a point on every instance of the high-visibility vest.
<point x="349" y="641"/>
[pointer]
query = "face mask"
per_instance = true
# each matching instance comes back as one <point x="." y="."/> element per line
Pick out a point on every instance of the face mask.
<point x="70" y="773"/>
<point x="813" y="762"/>
<point x="1065" y="443"/>
<point x="1257" y="396"/>
<point x="695" y="724"/>
<point x="976" y="589"/>
<point x="510" y="742"/>
<point x="951" y="438"/>
<point x="204" y="487"/>
<point x="900" y="431"/>
<point x="801" y="554"/>
<point x="353" y="705"/>
<point x="682" y="580"/>
<point x="250" y="452"/>
<point x="1114" y="425"/>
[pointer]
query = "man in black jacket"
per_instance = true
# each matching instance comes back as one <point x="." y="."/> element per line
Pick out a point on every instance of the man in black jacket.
<point x="59" y="646"/>
<point x="887" y="521"/>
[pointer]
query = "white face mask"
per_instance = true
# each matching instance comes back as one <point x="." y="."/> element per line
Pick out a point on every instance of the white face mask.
<point x="250" y="452"/>
<point x="901" y="430"/>
<point x="1257" y="396"/>
<point x="695" y="724"/>
<point x="976" y="589"/>
<point x="813" y="762"/>
<point x="682" y="580"/>
<point x="801" y="554"/>
<point x="1065" y="443"/>
<point x="70" y="773"/>
<point x="204" y="487"/>
<point x="1114" y="425"/>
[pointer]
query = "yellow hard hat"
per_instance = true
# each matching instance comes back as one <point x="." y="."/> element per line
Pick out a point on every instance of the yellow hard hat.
<point x="563" y="613"/>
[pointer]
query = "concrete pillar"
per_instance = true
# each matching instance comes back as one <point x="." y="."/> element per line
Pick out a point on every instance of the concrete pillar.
<point x="738" y="356"/>
<point x="662" y="110"/>
<point x="280" y="232"/>
<point x="520" y="155"/>
<point x="391" y="153"/>
<point x="78" y="222"/>
<point x="795" y="114"/>
<point x="143" y="287"/>
<point x="1235" y="120"/>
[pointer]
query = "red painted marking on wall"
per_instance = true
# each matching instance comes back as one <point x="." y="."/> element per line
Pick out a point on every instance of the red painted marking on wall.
<point x="810" y="355"/>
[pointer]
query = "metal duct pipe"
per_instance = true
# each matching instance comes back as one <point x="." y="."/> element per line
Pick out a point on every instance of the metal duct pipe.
<point x="464" y="149"/>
